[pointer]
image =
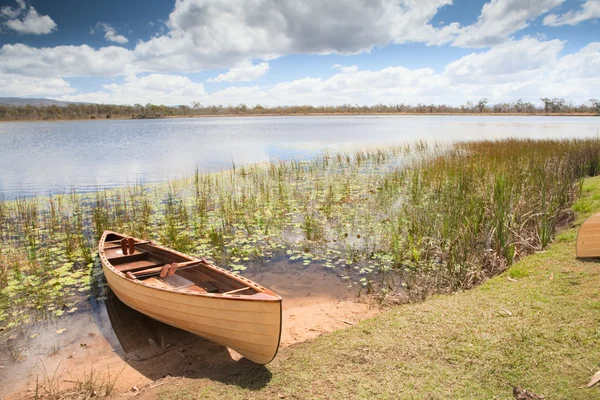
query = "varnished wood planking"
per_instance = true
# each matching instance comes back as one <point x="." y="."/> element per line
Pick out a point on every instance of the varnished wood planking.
<point x="588" y="238"/>
<point x="247" y="344"/>
<point x="254" y="322"/>
<point x="249" y="324"/>
<point x="176" y="312"/>
<point x="246" y="339"/>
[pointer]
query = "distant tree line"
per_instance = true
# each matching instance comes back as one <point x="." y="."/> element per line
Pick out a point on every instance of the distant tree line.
<point x="105" y="111"/>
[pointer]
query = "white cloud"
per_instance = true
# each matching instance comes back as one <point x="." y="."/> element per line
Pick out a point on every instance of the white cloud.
<point x="589" y="10"/>
<point x="11" y="12"/>
<point x="215" y="34"/>
<point x="110" y="33"/>
<point x="389" y="85"/>
<point x="154" y="88"/>
<point x="583" y="64"/>
<point x="243" y="72"/>
<point x="350" y="69"/>
<point x="19" y="86"/>
<point x="510" y="61"/>
<point x="65" y="61"/>
<point x="501" y="18"/>
<point x="26" y="20"/>
<point x="211" y="34"/>
<point x="527" y="68"/>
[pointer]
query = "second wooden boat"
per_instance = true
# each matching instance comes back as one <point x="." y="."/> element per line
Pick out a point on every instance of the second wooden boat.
<point x="193" y="295"/>
<point x="588" y="238"/>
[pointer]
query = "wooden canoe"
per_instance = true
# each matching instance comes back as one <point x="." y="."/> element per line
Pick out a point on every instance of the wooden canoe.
<point x="588" y="238"/>
<point x="194" y="295"/>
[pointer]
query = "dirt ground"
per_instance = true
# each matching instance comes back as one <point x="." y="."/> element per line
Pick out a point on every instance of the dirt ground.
<point x="121" y="345"/>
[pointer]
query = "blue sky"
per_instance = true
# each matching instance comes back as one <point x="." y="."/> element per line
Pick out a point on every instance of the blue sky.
<point x="284" y="52"/>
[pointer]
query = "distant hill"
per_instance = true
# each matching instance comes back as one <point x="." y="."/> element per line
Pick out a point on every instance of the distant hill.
<point x="20" y="101"/>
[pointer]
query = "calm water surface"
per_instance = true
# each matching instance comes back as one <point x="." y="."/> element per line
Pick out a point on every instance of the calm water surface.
<point x="54" y="157"/>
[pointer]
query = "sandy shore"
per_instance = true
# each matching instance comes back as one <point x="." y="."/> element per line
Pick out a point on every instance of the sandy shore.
<point x="117" y="342"/>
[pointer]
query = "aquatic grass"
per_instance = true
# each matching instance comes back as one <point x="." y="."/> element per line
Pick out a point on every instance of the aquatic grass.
<point x="529" y="327"/>
<point x="411" y="219"/>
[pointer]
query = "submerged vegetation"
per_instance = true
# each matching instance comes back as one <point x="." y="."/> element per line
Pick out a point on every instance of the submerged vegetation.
<point x="406" y="221"/>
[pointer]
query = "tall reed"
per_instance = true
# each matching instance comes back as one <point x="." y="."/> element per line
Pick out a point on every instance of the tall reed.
<point x="433" y="217"/>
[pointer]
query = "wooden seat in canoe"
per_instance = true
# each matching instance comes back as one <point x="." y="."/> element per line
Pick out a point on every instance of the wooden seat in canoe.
<point x="158" y="283"/>
<point x="117" y="244"/>
<point x="588" y="238"/>
<point x="115" y="255"/>
<point x="138" y="266"/>
<point x="170" y="282"/>
<point x="177" y="281"/>
<point x="138" y="260"/>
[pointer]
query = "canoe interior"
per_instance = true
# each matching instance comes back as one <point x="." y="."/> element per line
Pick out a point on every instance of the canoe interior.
<point x="147" y="260"/>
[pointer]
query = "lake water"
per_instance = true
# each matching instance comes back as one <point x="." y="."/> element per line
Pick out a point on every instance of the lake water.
<point x="55" y="157"/>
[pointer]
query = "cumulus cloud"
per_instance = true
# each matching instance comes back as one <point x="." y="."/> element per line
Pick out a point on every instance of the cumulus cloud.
<point x="510" y="61"/>
<point x="580" y="65"/>
<point x="11" y="12"/>
<point x="18" y="86"/>
<point x="207" y="34"/>
<point x="527" y="68"/>
<point x="110" y="33"/>
<point x="26" y="20"/>
<point x="153" y="88"/>
<point x="219" y="34"/>
<point x="389" y="85"/>
<point x="588" y="10"/>
<point x="243" y="72"/>
<point x="65" y="61"/>
<point x="501" y="18"/>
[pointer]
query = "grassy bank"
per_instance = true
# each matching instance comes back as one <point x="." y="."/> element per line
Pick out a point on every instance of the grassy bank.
<point x="404" y="221"/>
<point x="535" y="325"/>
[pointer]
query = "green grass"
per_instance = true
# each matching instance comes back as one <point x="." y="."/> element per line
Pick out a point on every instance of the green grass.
<point x="541" y="332"/>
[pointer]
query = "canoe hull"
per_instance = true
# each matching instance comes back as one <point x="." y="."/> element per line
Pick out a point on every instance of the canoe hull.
<point x="251" y="327"/>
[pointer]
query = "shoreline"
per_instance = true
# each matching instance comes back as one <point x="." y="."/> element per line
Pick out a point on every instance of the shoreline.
<point x="354" y="224"/>
<point x="399" y="114"/>
<point x="126" y="344"/>
<point x="509" y="332"/>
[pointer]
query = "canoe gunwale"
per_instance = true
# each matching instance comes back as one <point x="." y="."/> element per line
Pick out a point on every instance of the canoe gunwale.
<point x="236" y="297"/>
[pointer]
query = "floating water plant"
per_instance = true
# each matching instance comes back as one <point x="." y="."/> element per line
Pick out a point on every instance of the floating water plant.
<point x="422" y="218"/>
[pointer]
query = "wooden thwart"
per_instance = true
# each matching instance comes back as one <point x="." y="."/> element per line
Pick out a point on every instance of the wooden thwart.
<point x="237" y="290"/>
<point x="118" y="245"/>
<point x="170" y="282"/>
<point x="158" y="268"/>
<point x="138" y="267"/>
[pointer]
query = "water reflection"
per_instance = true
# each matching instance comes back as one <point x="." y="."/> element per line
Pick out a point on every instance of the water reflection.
<point x="156" y="350"/>
<point x="43" y="157"/>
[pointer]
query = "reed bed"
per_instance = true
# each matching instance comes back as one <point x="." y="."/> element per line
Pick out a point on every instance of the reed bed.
<point x="404" y="221"/>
